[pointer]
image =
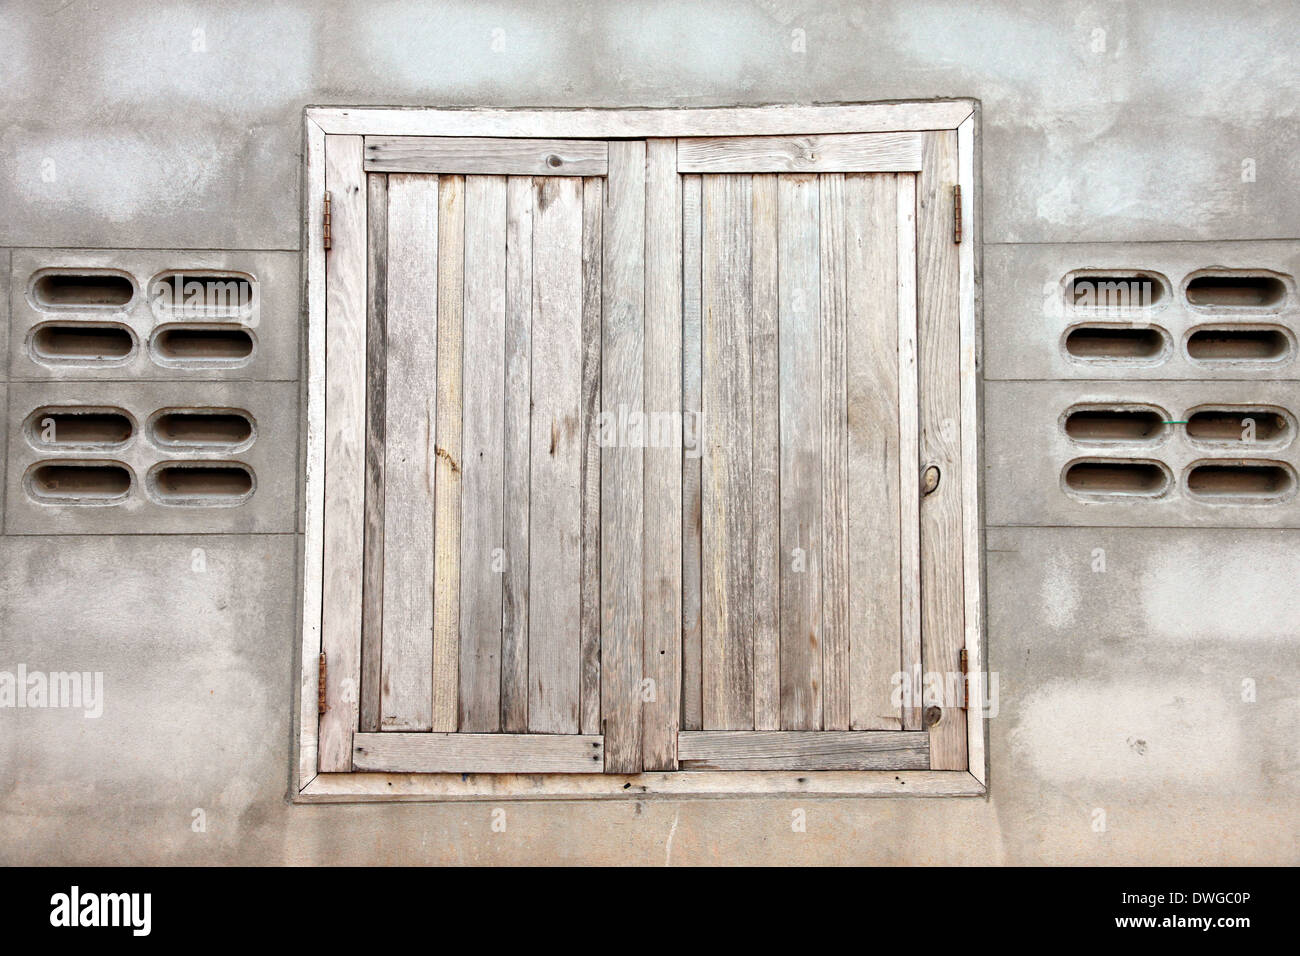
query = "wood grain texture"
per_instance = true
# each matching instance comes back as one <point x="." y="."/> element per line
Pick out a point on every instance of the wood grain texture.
<point x="662" y="556"/>
<point x="372" y="570"/>
<point x="485" y="156"/>
<point x="622" y="492"/>
<point x="411" y="357"/>
<point x="939" y="362"/>
<point x="692" y="438"/>
<point x="727" y="593"/>
<point x="801" y="453"/>
<point x="345" y="447"/>
<point x="447" y="463"/>
<point x="592" y="268"/>
<point x="766" y="360"/>
<point x="874" y="533"/>
<point x="833" y="263"/>
<point x="482" y="559"/>
<point x="909" y="458"/>
<point x="517" y="458"/>
<point x="804" y="750"/>
<point x="479" y="753"/>
<point x="555" y="535"/>
<point x="828" y="153"/>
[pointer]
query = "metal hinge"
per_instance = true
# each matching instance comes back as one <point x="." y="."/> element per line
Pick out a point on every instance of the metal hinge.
<point x="965" y="681"/>
<point x="956" y="215"/>
<point x="320" y="687"/>
<point x="325" y="220"/>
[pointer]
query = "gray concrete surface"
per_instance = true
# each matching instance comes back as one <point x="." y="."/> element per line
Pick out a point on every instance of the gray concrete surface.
<point x="140" y="126"/>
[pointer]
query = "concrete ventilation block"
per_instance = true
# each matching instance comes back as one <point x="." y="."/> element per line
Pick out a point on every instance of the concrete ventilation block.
<point x="1233" y="290"/>
<point x="1222" y="426"/>
<point x="207" y="346"/>
<point x="1116" y="344"/>
<point x="202" y="294"/>
<point x="81" y="343"/>
<point x="1105" y="425"/>
<point x="63" y="428"/>
<point x="1241" y="481"/>
<point x="92" y="290"/>
<point x="223" y="428"/>
<point x="201" y="483"/>
<point x="1109" y="478"/>
<point x="1115" y="290"/>
<point x="66" y="482"/>
<point x="1239" y="345"/>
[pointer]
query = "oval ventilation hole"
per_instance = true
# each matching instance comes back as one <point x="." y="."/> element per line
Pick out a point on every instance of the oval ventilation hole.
<point x="1116" y="478"/>
<point x="82" y="343"/>
<point x="205" y="484"/>
<point x="182" y="345"/>
<point x="1114" y="343"/>
<point x="193" y="428"/>
<point x="1114" y="291"/>
<point x="198" y="295"/>
<point x="69" y="482"/>
<point x="1228" y="290"/>
<point x="79" y="428"/>
<point x="82" y="290"/>
<point x="1244" y="482"/>
<point x="1109" y="425"/>
<point x="1238" y="345"/>
<point x="1235" y="426"/>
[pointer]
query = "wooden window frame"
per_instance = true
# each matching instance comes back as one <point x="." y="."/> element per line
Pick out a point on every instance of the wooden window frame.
<point x="959" y="115"/>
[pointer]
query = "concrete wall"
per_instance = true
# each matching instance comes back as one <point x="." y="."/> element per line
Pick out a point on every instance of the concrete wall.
<point x="1113" y="133"/>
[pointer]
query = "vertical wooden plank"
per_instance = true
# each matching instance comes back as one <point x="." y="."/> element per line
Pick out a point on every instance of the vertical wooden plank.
<point x="313" y="554"/>
<point x="662" y="567"/>
<point x="410" y="390"/>
<point x="555" y="525"/>
<point x="766" y="459"/>
<point x="801" y="453"/>
<point x="727" y="597"/>
<point x="692" y="443"/>
<point x="518" y="440"/>
<point x="939" y="358"/>
<point x="345" y="446"/>
<point x="834" y="498"/>
<point x="447" y="461"/>
<point x="871" y="222"/>
<point x="372" y="571"/>
<point x="589" y="638"/>
<point x="622" y="347"/>
<point x="482" y="448"/>
<point x="909" y="484"/>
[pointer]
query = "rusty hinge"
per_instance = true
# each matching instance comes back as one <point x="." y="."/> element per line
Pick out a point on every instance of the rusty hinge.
<point x="320" y="686"/>
<point x="956" y="215"/>
<point x="325" y="220"/>
<point x="965" y="681"/>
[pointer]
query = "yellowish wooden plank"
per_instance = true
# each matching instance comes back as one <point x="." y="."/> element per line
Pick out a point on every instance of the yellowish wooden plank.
<point x="447" y="463"/>
<point x="909" y="459"/>
<point x="662" y="558"/>
<point x="592" y="268"/>
<point x="467" y="156"/>
<point x="345" y="445"/>
<point x="804" y="750"/>
<point x="692" y="437"/>
<point x="479" y="753"/>
<point x="827" y="153"/>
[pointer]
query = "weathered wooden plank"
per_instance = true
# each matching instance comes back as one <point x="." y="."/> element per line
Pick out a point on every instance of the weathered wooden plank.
<point x="446" y="488"/>
<point x="482" y="559"/>
<point x="804" y="750"/>
<point x="801" y="453"/>
<point x="909" y="484"/>
<point x="766" y="459"/>
<point x="972" y="545"/>
<point x="410" y="390"/>
<point x="939" y="361"/>
<point x="372" y="570"/>
<point x="621" y="466"/>
<point x="307" y="722"/>
<point x="827" y="153"/>
<point x="518" y="441"/>
<point x="871" y="221"/>
<point x="662" y="559"/>
<point x="486" y="156"/>
<point x="727" y="598"/>
<point x="345" y="447"/>
<point x="692" y="438"/>
<point x="555" y="535"/>
<point x="640" y="123"/>
<point x="589" y="638"/>
<point x="479" y="753"/>
<point x="835" y="488"/>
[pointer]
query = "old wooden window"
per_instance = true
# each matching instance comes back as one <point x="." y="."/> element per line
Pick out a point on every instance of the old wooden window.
<point x="641" y="453"/>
